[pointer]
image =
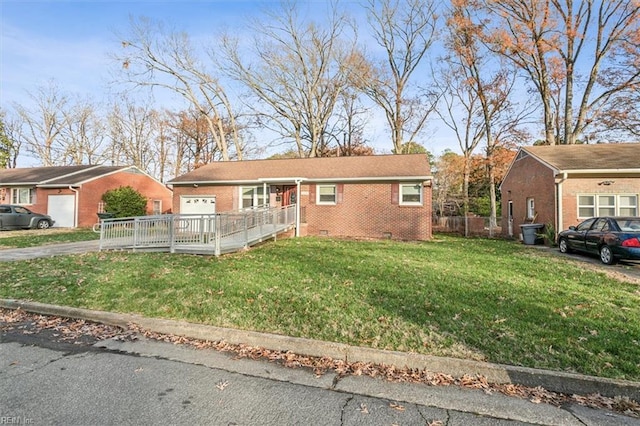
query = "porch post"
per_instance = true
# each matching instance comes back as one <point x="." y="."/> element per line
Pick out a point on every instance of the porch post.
<point x="264" y="194"/>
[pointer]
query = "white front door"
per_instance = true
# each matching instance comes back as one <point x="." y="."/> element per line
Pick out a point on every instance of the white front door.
<point x="62" y="209"/>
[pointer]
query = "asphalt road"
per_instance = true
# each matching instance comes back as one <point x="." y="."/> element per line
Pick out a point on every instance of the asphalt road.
<point x="44" y="380"/>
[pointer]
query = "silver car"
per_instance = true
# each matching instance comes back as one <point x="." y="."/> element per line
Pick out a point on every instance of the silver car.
<point x="18" y="217"/>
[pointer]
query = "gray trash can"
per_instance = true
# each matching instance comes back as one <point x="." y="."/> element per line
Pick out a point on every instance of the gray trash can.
<point x="530" y="232"/>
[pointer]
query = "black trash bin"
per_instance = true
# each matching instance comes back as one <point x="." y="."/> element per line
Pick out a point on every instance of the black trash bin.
<point x="530" y="232"/>
<point x="106" y="215"/>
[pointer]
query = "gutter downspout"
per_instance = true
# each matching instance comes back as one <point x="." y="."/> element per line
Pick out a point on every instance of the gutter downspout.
<point x="559" y="205"/>
<point x="298" y="207"/>
<point x="76" y="202"/>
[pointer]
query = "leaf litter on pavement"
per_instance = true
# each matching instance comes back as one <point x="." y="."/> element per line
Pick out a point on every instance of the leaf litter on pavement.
<point x="73" y="329"/>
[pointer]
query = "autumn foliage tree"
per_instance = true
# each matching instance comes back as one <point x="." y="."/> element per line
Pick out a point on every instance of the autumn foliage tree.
<point x="578" y="54"/>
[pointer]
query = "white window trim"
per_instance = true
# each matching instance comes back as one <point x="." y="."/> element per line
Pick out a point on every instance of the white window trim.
<point x="591" y="206"/>
<point x="153" y="205"/>
<point x="257" y="199"/>
<point x="596" y="206"/>
<point x="410" y="203"/>
<point x="335" y="194"/>
<point x="531" y="208"/>
<point x="14" y="191"/>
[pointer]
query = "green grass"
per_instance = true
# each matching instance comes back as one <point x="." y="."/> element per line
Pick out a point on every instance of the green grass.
<point x="470" y="298"/>
<point x="38" y="237"/>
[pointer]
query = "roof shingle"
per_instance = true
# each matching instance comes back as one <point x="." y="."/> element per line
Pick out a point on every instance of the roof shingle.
<point x="337" y="168"/>
<point x="55" y="175"/>
<point x="588" y="157"/>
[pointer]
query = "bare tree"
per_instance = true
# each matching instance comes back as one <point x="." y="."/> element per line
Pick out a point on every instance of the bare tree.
<point x="155" y="57"/>
<point x="621" y="117"/>
<point x="84" y="134"/>
<point x="132" y="130"/>
<point x="547" y="39"/>
<point x="40" y="125"/>
<point x="406" y="30"/>
<point x="9" y="149"/>
<point x="297" y="70"/>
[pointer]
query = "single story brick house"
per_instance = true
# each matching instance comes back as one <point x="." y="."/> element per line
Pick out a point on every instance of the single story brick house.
<point x="71" y="195"/>
<point x="565" y="184"/>
<point x="385" y="196"/>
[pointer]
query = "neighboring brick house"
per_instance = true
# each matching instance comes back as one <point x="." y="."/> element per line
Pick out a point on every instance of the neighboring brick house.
<point x="565" y="184"/>
<point x="71" y="195"/>
<point x="386" y="196"/>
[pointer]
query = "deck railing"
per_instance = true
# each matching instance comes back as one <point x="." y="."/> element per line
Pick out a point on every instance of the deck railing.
<point x="213" y="233"/>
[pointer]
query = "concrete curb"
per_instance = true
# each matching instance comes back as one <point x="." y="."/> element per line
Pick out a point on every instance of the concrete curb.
<point x="568" y="383"/>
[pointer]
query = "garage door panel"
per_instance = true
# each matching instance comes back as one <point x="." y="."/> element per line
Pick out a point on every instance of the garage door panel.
<point x="61" y="208"/>
<point x="201" y="204"/>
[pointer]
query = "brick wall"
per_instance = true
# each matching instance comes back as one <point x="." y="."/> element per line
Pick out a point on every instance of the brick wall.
<point x="573" y="187"/>
<point x="528" y="178"/>
<point x="366" y="211"/>
<point x="91" y="194"/>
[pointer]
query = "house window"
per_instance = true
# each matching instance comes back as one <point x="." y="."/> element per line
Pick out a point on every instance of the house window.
<point x="252" y="196"/>
<point x="157" y="206"/>
<point x="586" y="205"/>
<point x="326" y="194"/>
<point x="628" y="205"/>
<point x="607" y="205"/>
<point x="411" y="194"/>
<point x="22" y="195"/>
<point x="531" y="208"/>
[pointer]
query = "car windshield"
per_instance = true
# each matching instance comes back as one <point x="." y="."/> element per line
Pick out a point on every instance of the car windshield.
<point x="632" y="225"/>
<point x="21" y="210"/>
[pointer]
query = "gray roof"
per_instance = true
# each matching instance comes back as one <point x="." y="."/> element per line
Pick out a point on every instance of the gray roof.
<point x="55" y="176"/>
<point x="611" y="156"/>
<point x="373" y="167"/>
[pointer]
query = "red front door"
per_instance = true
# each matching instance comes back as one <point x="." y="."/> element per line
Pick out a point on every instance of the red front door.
<point x="289" y="195"/>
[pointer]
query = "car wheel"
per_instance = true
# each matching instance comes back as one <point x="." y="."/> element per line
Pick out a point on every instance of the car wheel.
<point x="606" y="255"/>
<point x="563" y="245"/>
<point x="43" y="224"/>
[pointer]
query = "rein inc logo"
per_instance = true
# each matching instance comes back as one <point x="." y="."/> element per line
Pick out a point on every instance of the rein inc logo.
<point x="15" y="420"/>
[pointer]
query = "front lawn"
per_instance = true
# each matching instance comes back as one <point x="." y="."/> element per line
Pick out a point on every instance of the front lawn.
<point x="480" y="299"/>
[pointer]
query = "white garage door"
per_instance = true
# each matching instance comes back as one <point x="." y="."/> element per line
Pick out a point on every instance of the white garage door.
<point x="61" y="208"/>
<point x="197" y="204"/>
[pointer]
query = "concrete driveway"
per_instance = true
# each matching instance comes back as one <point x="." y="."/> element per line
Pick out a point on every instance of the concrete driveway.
<point x="624" y="269"/>
<point x="9" y="255"/>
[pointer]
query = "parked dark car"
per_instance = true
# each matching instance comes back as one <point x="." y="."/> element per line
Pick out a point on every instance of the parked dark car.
<point x="612" y="238"/>
<point x="18" y="217"/>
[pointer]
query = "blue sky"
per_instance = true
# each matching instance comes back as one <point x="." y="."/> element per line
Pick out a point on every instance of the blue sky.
<point x="68" y="41"/>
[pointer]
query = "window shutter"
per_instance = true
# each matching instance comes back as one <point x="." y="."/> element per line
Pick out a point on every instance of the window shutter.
<point x="340" y="191"/>
<point x="312" y="193"/>
<point x="395" y="190"/>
